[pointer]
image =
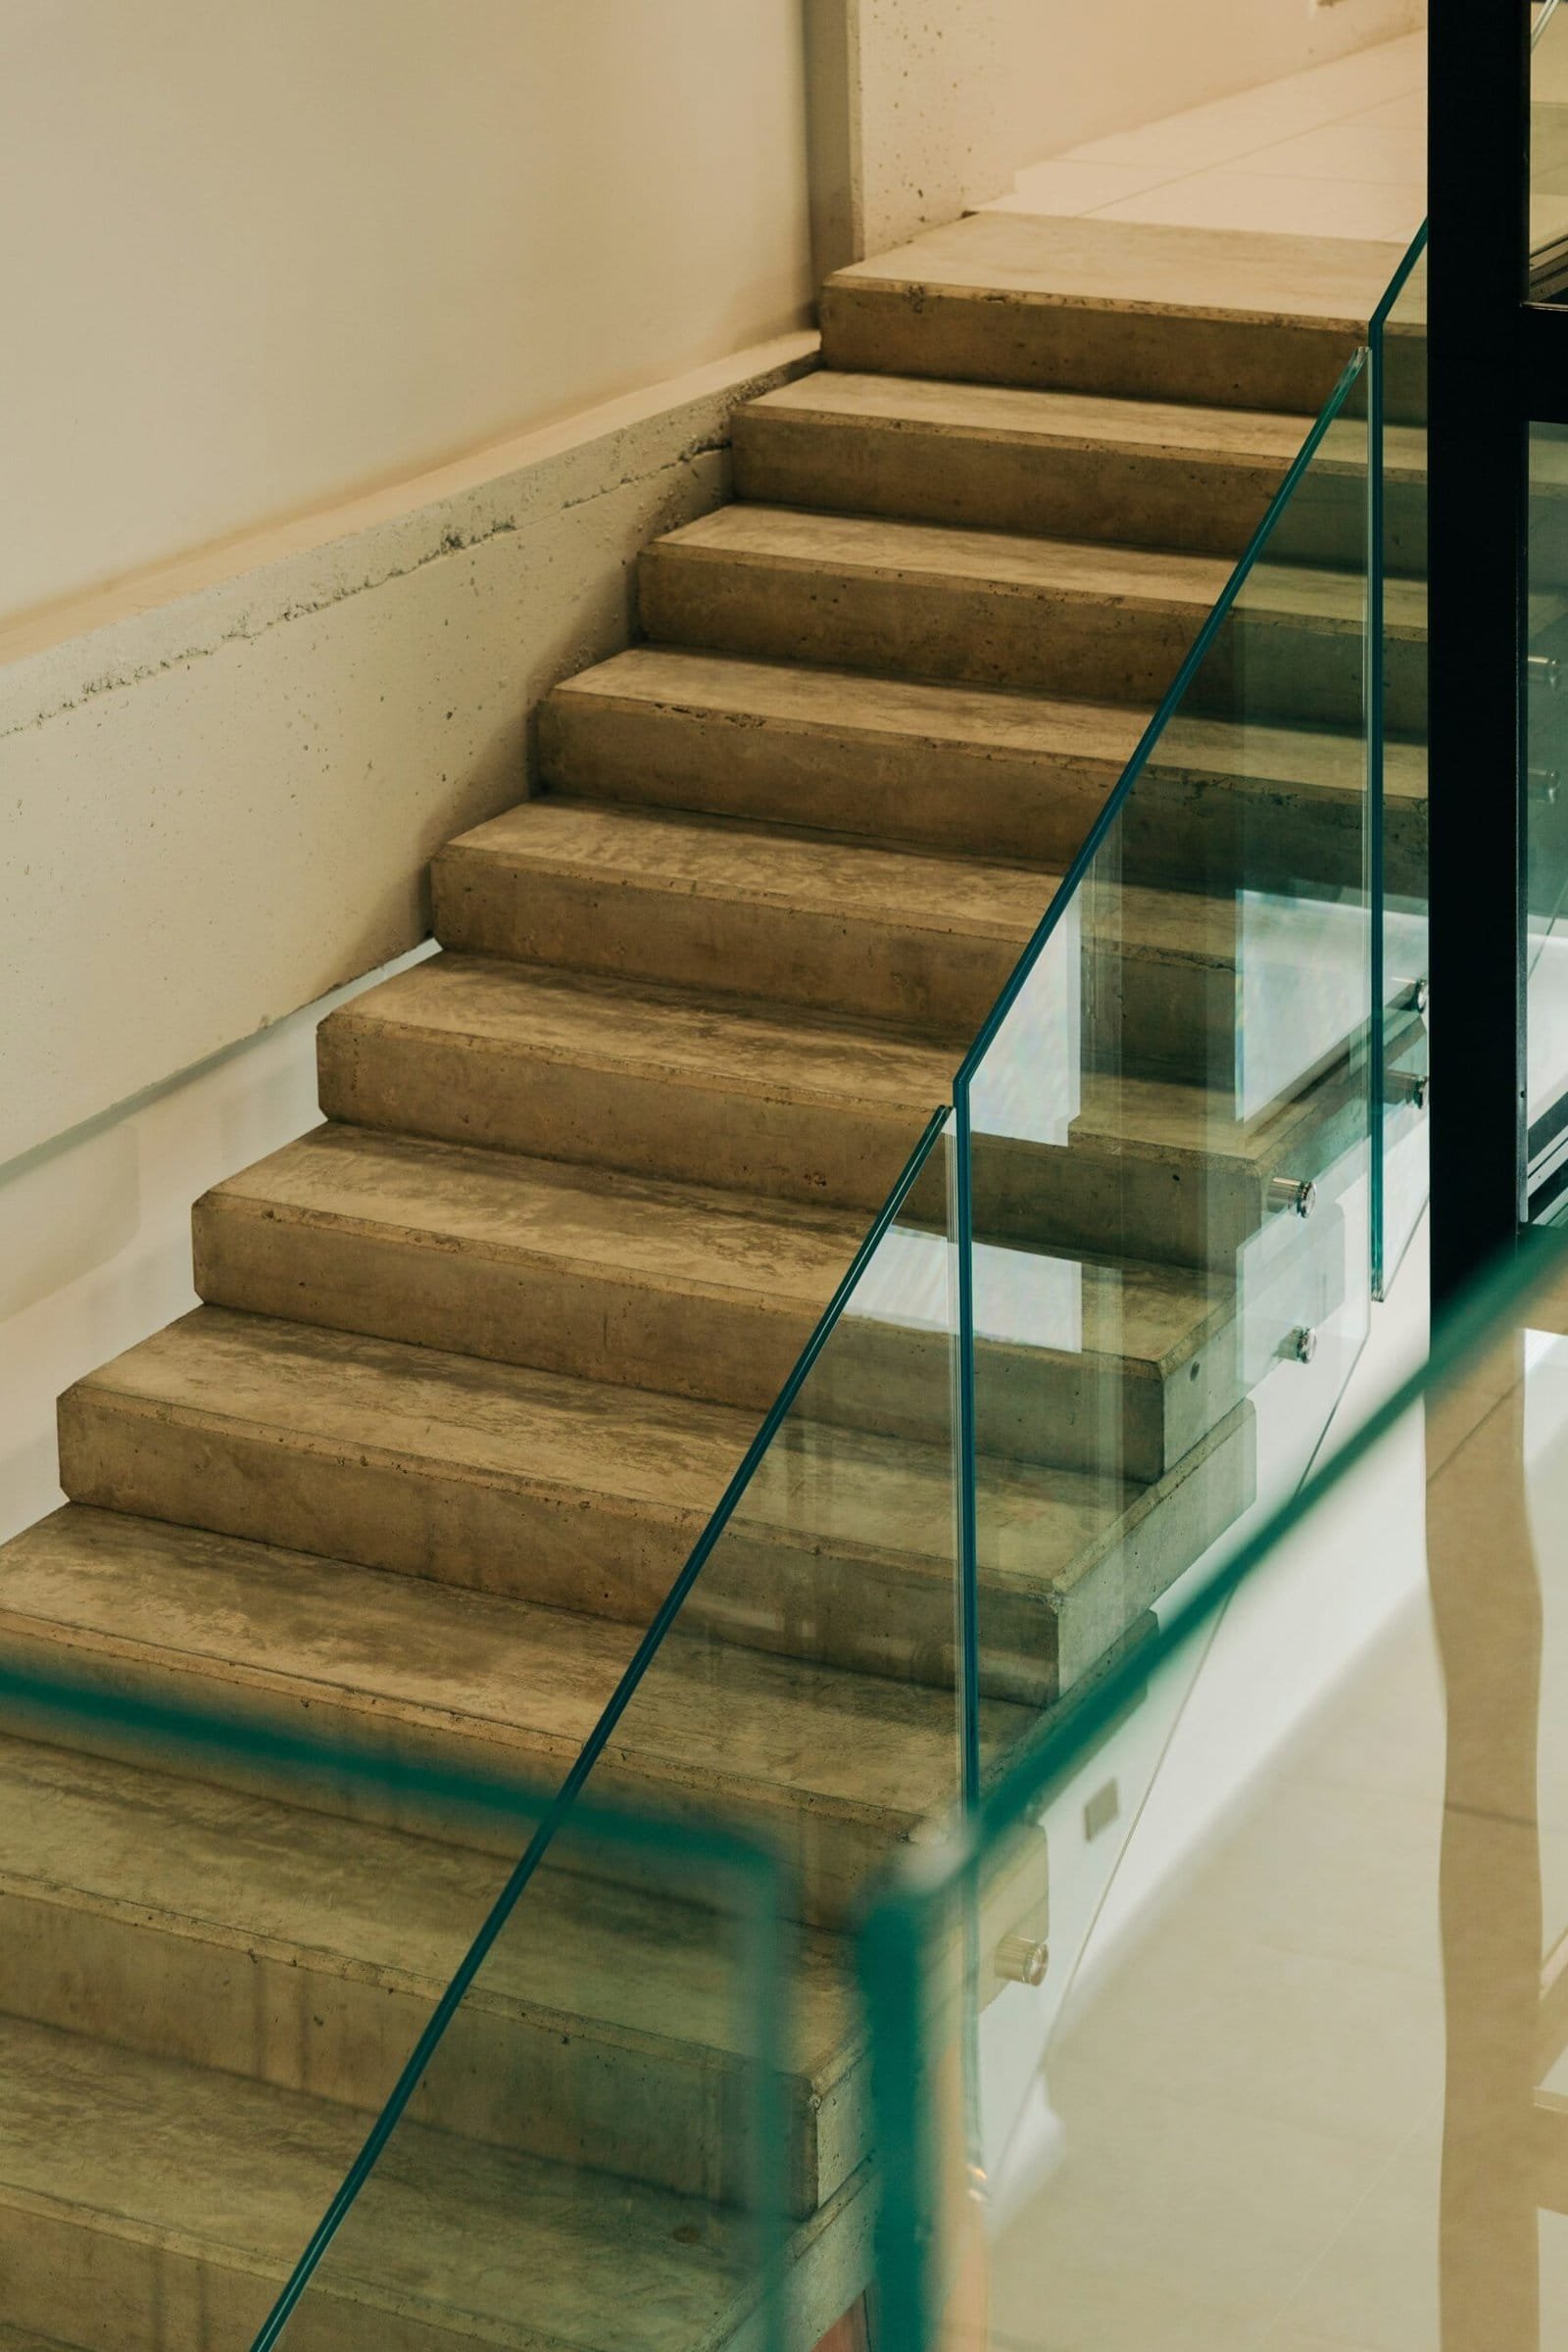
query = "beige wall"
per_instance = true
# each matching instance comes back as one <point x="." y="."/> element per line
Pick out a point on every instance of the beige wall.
<point x="945" y="101"/>
<point x="255" y="253"/>
<point x="222" y="789"/>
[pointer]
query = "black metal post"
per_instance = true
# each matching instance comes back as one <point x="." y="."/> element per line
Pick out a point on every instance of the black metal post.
<point x="1479" y="61"/>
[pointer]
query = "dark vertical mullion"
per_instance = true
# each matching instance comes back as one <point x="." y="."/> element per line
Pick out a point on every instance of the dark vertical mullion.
<point x="1477" y="164"/>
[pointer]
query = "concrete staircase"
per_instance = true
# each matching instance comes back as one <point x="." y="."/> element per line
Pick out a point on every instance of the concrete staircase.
<point x="479" y="1355"/>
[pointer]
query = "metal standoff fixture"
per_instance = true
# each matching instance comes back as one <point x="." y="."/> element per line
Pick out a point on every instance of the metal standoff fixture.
<point x="1293" y="1193"/>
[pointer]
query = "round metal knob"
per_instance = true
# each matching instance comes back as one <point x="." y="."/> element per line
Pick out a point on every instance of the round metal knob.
<point x="1020" y="1960"/>
<point x="1294" y="1193"/>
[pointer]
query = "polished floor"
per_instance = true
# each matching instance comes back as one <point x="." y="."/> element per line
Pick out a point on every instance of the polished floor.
<point x="1308" y="2097"/>
<point x="1335" y="151"/>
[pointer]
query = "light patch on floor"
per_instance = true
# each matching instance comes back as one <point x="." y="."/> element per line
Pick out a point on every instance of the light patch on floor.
<point x="1335" y="151"/>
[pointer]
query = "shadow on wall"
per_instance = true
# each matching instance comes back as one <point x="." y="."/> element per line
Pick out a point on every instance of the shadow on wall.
<point x="95" y="1231"/>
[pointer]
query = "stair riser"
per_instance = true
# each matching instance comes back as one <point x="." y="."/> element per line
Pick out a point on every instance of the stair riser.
<point x="940" y="981"/>
<point x="574" y="1320"/>
<point x="1124" y="494"/>
<point x="98" y="2284"/>
<point x="459" y="1090"/>
<point x="1325" y="522"/>
<point x="1183" y="1211"/>
<point x="109" y="2290"/>
<point x="977" y="633"/>
<point x="971" y="633"/>
<point x="1088" y="1197"/>
<point x="1172" y="1528"/>
<point x="1071" y="347"/>
<point x="516" y="2082"/>
<point x="787" y="1590"/>
<point x="1034" y="1404"/>
<point x="903" y="790"/>
<point x="829" y="1856"/>
<point x="1028" y="1651"/>
<point x="1181" y="825"/>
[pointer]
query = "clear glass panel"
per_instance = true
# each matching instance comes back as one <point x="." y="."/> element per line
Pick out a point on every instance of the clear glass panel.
<point x="1546" y="823"/>
<point x="1399" y="396"/>
<point x="220" y="1939"/>
<point x="594" y="2153"/>
<point x="1168" y="1159"/>
<point x="1548" y="153"/>
<point x="1302" y="2080"/>
<point x="798" y="1685"/>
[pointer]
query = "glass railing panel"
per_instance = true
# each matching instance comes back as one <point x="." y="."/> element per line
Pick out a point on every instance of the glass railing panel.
<point x="1545" y="824"/>
<point x="1396" y="517"/>
<point x="1548" y="153"/>
<point x="1166" y="1127"/>
<point x="600" y="2144"/>
<point x="1294" y="2074"/>
<point x="221" y="1936"/>
<point x="798" y="1686"/>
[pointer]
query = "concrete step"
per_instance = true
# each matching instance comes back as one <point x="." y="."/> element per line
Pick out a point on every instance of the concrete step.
<point x="228" y="1929"/>
<point x="1054" y="616"/>
<point x="685" y="1085"/>
<point x="1060" y="464"/>
<point x="787" y="918"/>
<point x="836" y="1769"/>
<point x="711" y="1295"/>
<point x="458" y="2245"/>
<point x="965" y="770"/>
<point x="654" y="1081"/>
<point x="577" y="1497"/>
<point x="1141" y="311"/>
<point x="793" y="918"/>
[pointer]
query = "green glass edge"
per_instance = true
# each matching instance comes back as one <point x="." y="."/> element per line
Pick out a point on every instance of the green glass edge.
<point x="749" y="1876"/>
<point x="897" y="1928"/>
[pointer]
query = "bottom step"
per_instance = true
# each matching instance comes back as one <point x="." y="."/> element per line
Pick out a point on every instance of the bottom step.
<point x="147" y="2206"/>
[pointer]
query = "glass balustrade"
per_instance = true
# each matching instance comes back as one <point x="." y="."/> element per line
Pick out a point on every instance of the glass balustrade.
<point x="1279" y="2059"/>
<point x="222" y="1937"/>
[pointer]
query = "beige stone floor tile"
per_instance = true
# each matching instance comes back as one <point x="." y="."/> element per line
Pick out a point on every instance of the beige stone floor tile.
<point x="1244" y="198"/>
<point x="1316" y="1868"/>
<point x="1324" y="2042"/>
<point x="1377" y="2282"/>
<point x="1072" y="187"/>
<point x="1203" y="137"/>
<point x="1191" y="2202"/>
<point x="1407" y="115"/>
<point x="1356" y="148"/>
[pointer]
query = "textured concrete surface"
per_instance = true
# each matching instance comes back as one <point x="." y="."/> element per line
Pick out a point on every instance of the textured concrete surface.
<point x="194" y="764"/>
<point x="190" y="1921"/>
<point x="481" y="1355"/>
<point x="1210" y="316"/>
<point x="1149" y="474"/>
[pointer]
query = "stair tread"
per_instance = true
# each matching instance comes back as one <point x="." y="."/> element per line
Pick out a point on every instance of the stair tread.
<point x="766" y="866"/>
<point x="784" y="1056"/>
<point x="800" y="538"/>
<point x="465" y="2239"/>
<point x="798" y="695"/>
<point x="511" y="1683"/>
<point x="342" y="1393"/>
<point x="738" y="1047"/>
<point x="775" y="1253"/>
<point x="1219" y="274"/>
<point x="334" y="1896"/>
<point x="1080" y="419"/>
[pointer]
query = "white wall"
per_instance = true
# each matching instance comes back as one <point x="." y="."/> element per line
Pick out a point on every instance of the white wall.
<point x="257" y="252"/>
<point x="95" y="1236"/>
<point x="220" y="799"/>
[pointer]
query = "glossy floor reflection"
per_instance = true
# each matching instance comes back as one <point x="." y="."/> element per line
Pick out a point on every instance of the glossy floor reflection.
<point x="1298" y="2094"/>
